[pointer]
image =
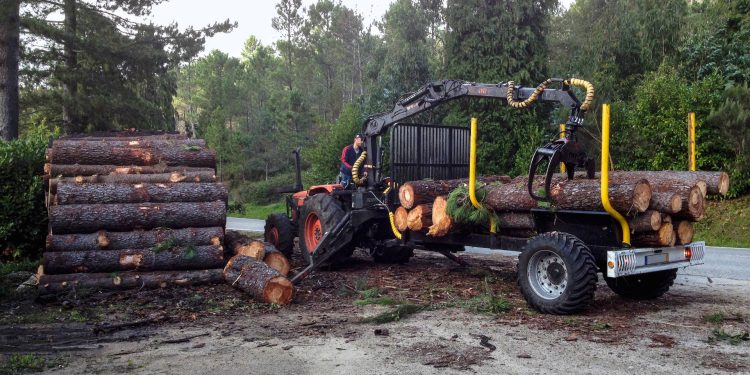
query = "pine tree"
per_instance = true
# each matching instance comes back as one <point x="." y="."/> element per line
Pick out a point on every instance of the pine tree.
<point x="9" y="47"/>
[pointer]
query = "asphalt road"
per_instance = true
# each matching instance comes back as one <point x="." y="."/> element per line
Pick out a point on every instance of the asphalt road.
<point x="720" y="262"/>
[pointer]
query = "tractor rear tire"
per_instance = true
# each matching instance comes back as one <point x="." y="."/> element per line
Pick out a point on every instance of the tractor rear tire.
<point x="279" y="231"/>
<point x="320" y="214"/>
<point x="557" y="273"/>
<point x="644" y="286"/>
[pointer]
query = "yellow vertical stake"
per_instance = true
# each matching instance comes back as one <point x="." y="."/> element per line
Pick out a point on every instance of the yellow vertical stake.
<point x="605" y="177"/>
<point x="691" y="141"/>
<point x="473" y="172"/>
<point x="562" y="135"/>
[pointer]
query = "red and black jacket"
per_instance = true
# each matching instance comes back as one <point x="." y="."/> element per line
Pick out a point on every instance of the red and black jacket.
<point x="348" y="156"/>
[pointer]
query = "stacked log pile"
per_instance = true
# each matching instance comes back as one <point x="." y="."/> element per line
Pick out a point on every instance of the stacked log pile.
<point x="132" y="211"/>
<point x="660" y="206"/>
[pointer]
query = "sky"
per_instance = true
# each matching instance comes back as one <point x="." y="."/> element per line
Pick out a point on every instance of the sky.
<point x="253" y="18"/>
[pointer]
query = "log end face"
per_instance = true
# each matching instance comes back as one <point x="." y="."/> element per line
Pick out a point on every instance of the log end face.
<point x="279" y="290"/>
<point x="642" y="195"/>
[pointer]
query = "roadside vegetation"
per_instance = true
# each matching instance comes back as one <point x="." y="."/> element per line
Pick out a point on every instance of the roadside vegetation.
<point x="727" y="223"/>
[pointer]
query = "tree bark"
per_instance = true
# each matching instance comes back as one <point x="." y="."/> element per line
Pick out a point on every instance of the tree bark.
<point x="667" y="181"/>
<point x="684" y="231"/>
<point x="239" y="244"/>
<point x="176" y="258"/>
<point x="663" y="237"/>
<point x="74" y="170"/>
<point x="101" y="193"/>
<point x="127" y="142"/>
<point x="413" y="193"/>
<point x="208" y="176"/>
<point x="142" y="156"/>
<point x="125" y="135"/>
<point x="648" y="221"/>
<point x="104" y="240"/>
<point x="667" y="202"/>
<point x="276" y="260"/>
<point x="10" y="28"/>
<point x="259" y="280"/>
<point x="420" y="217"/>
<point x="400" y="218"/>
<point x="127" y="280"/>
<point x="515" y="220"/>
<point x="87" y="218"/>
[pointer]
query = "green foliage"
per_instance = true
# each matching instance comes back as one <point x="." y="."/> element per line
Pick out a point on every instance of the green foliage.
<point x="262" y="192"/>
<point x="488" y="302"/>
<point x="325" y="156"/>
<point x="715" y="318"/>
<point x="729" y="122"/>
<point x="26" y="362"/>
<point x="165" y="245"/>
<point x="727" y="223"/>
<point x="400" y="312"/>
<point x="23" y="217"/>
<point x="462" y="211"/>
<point x="719" y="334"/>
<point x="189" y="252"/>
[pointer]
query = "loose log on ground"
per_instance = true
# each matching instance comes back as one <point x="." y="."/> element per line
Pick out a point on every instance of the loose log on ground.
<point x="240" y="244"/>
<point x="648" y="221"/>
<point x="87" y="218"/>
<point x="100" y="193"/>
<point x="667" y="202"/>
<point x="515" y="220"/>
<point x="276" y="260"/>
<point x="176" y="258"/>
<point x="104" y="240"/>
<point x="400" y="218"/>
<point x="420" y="217"/>
<point x="684" y="231"/>
<point x="663" y="237"/>
<point x="206" y="176"/>
<point x="170" y="156"/>
<point x="127" y="280"/>
<point x="413" y="193"/>
<point x="259" y="280"/>
<point x="74" y="170"/>
<point x="441" y="222"/>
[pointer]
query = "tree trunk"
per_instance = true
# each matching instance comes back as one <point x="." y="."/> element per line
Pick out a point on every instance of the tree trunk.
<point x="413" y="193"/>
<point x="87" y="218"/>
<point x="127" y="280"/>
<point x="667" y="181"/>
<point x="259" y="280"/>
<point x="648" y="221"/>
<point x="667" y="202"/>
<point x="101" y="193"/>
<point x="515" y="220"/>
<point x="400" y="218"/>
<point x="10" y="28"/>
<point x="176" y="258"/>
<point x="684" y="231"/>
<point x="143" y="156"/>
<point x="74" y="170"/>
<point x="663" y="237"/>
<point x="208" y="176"/>
<point x="441" y="222"/>
<point x="131" y="142"/>
<point x="276" y="260"/>
<point x="420" y="217"/>
<point x="126" y="135"/>
<point x="509" y="197"/>
<point x="71" y="122"/>
<point x="104" y="240"/>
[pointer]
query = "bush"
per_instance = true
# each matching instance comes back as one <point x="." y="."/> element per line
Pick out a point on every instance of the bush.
<point x="325" y="156"/>
<point x="262" y="192"/>
<point x="23" y="217"/>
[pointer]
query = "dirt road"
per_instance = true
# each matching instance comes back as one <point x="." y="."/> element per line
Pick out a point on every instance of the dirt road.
<point x="457" y="321"/>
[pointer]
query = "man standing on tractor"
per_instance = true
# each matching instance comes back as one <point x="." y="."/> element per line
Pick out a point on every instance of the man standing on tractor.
<point x="349" y="155"/>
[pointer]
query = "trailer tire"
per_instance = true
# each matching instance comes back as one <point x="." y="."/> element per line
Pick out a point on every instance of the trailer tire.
<point x="557" y="273"/>
<point x="279" y="231"/>
<point x="644" y="286"/>
<point x="320" y="213"/>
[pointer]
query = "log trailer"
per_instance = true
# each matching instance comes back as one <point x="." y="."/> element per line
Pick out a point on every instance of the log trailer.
<point x="557" y="267"/>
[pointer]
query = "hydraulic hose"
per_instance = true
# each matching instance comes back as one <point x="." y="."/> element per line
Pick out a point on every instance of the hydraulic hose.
<point x="586" y="85"/>
<point x="543" y="86"/>
<point x="355" y="169"/>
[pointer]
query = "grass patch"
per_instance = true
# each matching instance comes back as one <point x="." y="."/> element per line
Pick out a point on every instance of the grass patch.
<point x="719" y="335"/>
<point x="255" y="211"/>
<point x="21" y="265"/>
<point x="715" y="318"/>
<point x="400" y="312"/>
<point x="488" y="302"/>
<point x="727" y="223"/>
<point x="26" y="362"/>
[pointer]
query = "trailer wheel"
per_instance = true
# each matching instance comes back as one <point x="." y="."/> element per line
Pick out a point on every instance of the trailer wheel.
<point x="644" y="286"/>
<point x="279" y="232"/>
<point x="320" y="213"/>
<point x="557" y="273"/>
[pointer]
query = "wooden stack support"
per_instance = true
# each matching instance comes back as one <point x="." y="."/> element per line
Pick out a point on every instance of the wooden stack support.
<point x="660" y="206"/>
<point x="132" y="210"/>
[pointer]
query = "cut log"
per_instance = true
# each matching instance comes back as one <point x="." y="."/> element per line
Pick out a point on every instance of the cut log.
<point x="648" y="221"/>
<point x="667" y="202"/>
<point x="170" y="156"/>
<point x="87" y="218"/>
<point x="207" y="176"/>
<point x="124" y="135"/>
<point x="693" y="205"/>
<point x="73" y="170"/>
<point x="684" y="231"/>
<point x="441" y="222"/>
<point x="259" y="280"/>
<point x="127" y="280"/>
<point x="666" y="218"/>
<point x="100" y="193"/>
<point x="515" y="220"/>
<point x="135" y="240"/>
<point x="176" y="258"/>
<point x="420" y="217"/>
<point x="240" y="244"/>
<point x="663" y="237"/>
<point x="400" y="218"/>
<point x="134" y="142"/>
<point x="667" y="181"/>
<point x="413" y="193"/>
<point x="276" y="260"/>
